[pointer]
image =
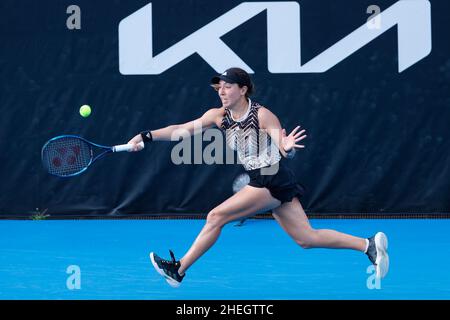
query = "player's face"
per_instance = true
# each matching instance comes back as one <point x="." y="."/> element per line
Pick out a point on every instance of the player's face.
<point x="229" y="93"/>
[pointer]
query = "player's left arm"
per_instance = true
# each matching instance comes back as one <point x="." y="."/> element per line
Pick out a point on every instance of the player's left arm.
<point x="286" y="143"/>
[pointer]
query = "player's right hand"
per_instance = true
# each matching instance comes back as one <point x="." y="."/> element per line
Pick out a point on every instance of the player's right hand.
<point x="136" y="142"/>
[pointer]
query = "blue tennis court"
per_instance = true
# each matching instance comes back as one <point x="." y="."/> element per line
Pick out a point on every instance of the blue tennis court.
<point x="255" y="261"/>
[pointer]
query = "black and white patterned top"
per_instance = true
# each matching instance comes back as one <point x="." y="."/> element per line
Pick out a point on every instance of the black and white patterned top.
<point x="255" y="148"/>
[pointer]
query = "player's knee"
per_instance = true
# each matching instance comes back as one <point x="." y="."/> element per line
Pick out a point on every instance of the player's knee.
<point x="215" y="218"/>
<point x="305" y="244"/>
<point x="306" y="241"/>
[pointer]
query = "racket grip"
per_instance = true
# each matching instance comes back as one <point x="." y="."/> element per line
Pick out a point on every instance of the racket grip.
<point x="125" y="147"/>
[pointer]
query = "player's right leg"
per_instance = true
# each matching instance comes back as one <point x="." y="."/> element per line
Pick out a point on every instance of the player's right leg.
<point x="247" y="202"/>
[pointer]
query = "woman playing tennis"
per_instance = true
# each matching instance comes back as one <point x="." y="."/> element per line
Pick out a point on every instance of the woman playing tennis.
<point x="255" y="132"/>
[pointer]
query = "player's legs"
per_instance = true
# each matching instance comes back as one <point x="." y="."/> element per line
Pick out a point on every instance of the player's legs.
<point x="292" y="218"/>
<point x="248" y="201"/>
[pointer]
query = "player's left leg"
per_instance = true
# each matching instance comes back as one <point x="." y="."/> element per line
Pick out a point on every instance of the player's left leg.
<point x="292" y="218"/>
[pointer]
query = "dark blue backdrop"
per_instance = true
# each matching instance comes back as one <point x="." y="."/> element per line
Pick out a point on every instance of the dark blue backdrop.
<point x="378" y="139"/>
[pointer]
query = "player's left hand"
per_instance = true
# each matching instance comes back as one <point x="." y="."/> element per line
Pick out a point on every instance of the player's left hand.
<point x="290" y="141"/>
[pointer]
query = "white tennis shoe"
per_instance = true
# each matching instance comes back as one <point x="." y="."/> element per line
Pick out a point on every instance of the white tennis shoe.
<point x="377" y="253"/>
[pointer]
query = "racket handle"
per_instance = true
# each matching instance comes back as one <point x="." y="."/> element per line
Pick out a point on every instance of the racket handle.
<point x="125" y="147"/>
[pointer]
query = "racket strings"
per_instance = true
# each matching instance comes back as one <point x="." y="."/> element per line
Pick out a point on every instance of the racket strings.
<point x="66" y="156"/>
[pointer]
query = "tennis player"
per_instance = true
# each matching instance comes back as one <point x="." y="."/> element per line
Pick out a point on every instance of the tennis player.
<point x="254" y="132"/>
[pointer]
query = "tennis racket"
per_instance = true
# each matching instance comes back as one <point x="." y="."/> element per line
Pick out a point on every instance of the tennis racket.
<point x="69" y="155"/>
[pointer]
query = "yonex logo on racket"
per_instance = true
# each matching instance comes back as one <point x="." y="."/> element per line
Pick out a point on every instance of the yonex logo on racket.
<point x="65" y="155"/>
<point x="283" y="44"/>
<point x="70" y="155"/>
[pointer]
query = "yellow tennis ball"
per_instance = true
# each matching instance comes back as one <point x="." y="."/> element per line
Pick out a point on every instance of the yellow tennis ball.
<point x="85" y="111"/>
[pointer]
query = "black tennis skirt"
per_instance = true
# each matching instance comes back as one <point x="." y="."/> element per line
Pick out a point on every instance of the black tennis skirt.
<point x="282" y="184"/>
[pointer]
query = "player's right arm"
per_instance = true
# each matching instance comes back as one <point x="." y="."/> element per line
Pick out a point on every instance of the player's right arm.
<point x="209" y="119"/>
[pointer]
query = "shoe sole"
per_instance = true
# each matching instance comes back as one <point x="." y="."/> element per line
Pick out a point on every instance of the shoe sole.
<point x="173" y="283"/>
<point x="382" y="261"/>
